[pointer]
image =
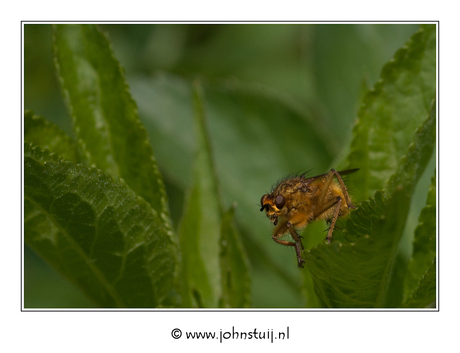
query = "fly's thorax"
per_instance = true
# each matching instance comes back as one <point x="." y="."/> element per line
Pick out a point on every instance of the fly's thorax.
<point x="289" y="186"/>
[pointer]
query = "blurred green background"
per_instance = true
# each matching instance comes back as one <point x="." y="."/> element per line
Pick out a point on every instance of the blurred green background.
<point x="280" y="99"/>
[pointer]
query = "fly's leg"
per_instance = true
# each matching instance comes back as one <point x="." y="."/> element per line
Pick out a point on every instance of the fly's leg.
<point x="327" y="183"/>
<point x="297" y="244"/>
<point x="294" y="234"/>
<point x="298" y="251"/>
<point x="337" y="203"/>
<point x="334" y="219"/>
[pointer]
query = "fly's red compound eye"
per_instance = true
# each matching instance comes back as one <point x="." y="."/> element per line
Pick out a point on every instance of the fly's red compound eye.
<point x="280" y="201"/>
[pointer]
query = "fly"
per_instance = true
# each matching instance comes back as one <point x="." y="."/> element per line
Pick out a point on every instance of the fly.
<point x="298" y="200"/>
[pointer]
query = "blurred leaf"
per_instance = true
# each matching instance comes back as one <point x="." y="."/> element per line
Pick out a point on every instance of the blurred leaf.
<point x="48" y="136"/>
<point x="358" y="273"/>
<point x="424" y="247"/>
<point x="166" y="107"/>
<point x="257" y="136"/>
<point x="41" y="89"/>
<point x="97" y="232"/>
<point x="201" y="223"/>
<point x="104" y="114"/>
<point x="44" y="287"/>
<point x="299" y="60"/>
<point x="236" y="283"/>
<point x="364" y="48"/>
<point x="391" y="111"/>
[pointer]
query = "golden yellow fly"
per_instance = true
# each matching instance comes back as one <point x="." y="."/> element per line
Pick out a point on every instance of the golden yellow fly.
<point x="298" y="200"/>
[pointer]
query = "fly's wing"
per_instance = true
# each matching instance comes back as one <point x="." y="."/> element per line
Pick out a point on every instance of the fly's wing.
<point x="348" y="171"/>
<point x="342" y="172"/>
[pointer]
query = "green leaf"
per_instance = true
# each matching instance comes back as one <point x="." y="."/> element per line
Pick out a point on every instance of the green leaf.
<point x="104" y="114"/>
<point x="349" y="275"/>
<point x="424" y="249"/>
<point x="358" y="273"/>
<point x="48" y="136"/>
<point x="391" y="111"/>
<point x="236" y="284"/>
<point x="200" y="227"/>
<point x="412" y="165"/>
<point x="425" y="293"/>
<point x="97" y="232"/>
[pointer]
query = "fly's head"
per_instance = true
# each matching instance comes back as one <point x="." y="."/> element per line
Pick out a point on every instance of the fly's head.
<point x="272" y="204"/>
